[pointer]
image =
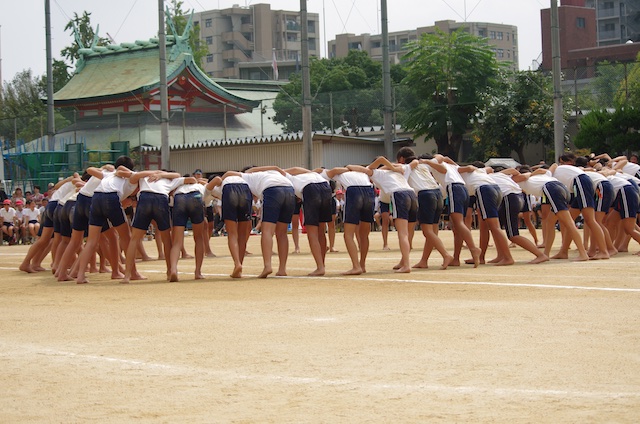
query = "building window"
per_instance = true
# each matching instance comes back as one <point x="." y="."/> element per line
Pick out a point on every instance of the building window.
<point x="209" y="58"/>
<point x="292" y="37"/>
<point x="492" y="35"/>
<point x="208" y="22"/>
<point x="507" y="36"/>
<point x="376" y="44"/>
<point x="609" y="27"/>
<point x="581" y="23"/>
<point x="312" y="44"/>
<point x="499" y="35"/>
<point x="311" y="27"/>
<point x="500" y="53"/>
<point x="209" y="40"/>
<point x="482" y="33"/>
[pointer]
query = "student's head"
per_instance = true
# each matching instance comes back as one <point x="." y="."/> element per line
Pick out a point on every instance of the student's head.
<point x="478" y="164"/>
<point x="498" y="168"/>
<point x="6" y="204"/>
<point x="36" y="189"/>
<point x="405" y="155"/>
<point x="197" y="173"/>
<point x="247" y="168"/>
<point x="426" y="156"/>
<point x="567" y="159"/>
<point x="125" y="161"/>
<point x="19" y="204"/>
<point x="581" y="161"/>
<point x="633" y="158"/>
<point x="523" y="169"/>
<point x="85" y="176"/>
<point x="17" y="192"/>
<point x="31" y="204"/>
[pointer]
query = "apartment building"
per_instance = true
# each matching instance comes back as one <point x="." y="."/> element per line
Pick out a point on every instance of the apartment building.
<point x="503" y="39"/>
<point x="242" y="41"/>
<point x="617" y="21"/>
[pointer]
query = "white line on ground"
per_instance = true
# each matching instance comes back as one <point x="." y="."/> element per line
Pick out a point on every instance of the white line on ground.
<point x="15" y="351"/>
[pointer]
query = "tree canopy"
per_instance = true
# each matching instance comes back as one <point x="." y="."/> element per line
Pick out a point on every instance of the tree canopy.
<point x="450" y="76"/>
<point x="347" y="93"/>
<point x="610" y="131"/>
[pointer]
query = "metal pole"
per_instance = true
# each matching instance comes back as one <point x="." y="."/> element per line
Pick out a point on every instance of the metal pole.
<point x="51" y="125"/>
<point x="558" y="124"/>
<point x="386" y="82"/>
<point x="307" y="142"/>
<point x="164" y="100"/>
<point x="331" y="111"/>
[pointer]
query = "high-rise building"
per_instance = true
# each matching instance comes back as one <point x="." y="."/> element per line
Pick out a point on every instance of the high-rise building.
<point x="503" y="39"/>
<point x="244" y="42"/>
<point x="618" y="21"/>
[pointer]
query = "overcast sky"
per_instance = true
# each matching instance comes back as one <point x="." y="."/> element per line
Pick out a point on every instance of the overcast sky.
<point x="23" y="31"/>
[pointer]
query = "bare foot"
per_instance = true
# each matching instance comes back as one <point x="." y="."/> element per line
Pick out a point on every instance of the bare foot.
<point x="505" y="262"/>
<point x="564" y="255"/>
<point x="296" y="251"/>
<point x="613" y="252"/>
<point x="104" y="270"/>
<point x="600" y="255"/>
<point x="404" y="270"/>
<point x="317" y="273"/>
<point x="237" y="272"/>
<point x="210" y="255"/>
<point x="37" y="268"/>
<point x="125" y="280"/>
<point x="83" y="281"/>
<point x="144" y="259"/>
<point x="199" y="276"/>
<point x="353" y="271"/>
<point x="398" y="266"/>
<point x="138" y="276"/>
<point x="446" y="262"/>
<point x="160" y="257"/>
<point x="64" y="277"/>
<point x="281" y="273"/>
<point x="475" y="252"/>
<point x="385" y="248"/>
<point x="333" y="250"/>
<point x="481" y="261"/>
<point x="580" y="258"/>
<point x="265" y="272"/>
<point x="26" y="268"/>
<point x="173" y="277"/>
<point x="187" y="256"/>
<point x="455" y="262"/>
<point x="539" y="259"/>
<point x="422" y="265"/>
<point x="117" y="275"/>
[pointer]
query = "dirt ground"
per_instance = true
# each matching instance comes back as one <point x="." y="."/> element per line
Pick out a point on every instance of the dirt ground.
<point x="549" y="343"/>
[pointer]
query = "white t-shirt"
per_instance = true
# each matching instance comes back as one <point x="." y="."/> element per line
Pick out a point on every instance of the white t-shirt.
<point x="260" y="181"/>
<point x="232" y="179"/>
<point x="111" y="183"/>
<point x="91" y="185"/>
<point x="390" y="181"/>
<point x="535" y="184"/>
<point x="189" y="188"/>
<point x="63" y="191"/>
<point x="300" y="181"/>
<point x="475" y="179"/>
<point x="31" y="215"/>
<point x="452" y="175"/>
<point x="566" y="174"/>
<point x="348" y="179"/>
<point x="421" y="178"/>
<point x="7" y="214"/>
<point x="617" y="183"/>
<point x="161" y="186"/>
<point x="596" y="177"/>
<point x="506" y="184"/>
<point x="71" y="196"/>
<point x="631" y="168"/>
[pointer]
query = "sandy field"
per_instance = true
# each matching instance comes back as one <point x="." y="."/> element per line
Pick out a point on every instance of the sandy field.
<point x="549" y="343"/>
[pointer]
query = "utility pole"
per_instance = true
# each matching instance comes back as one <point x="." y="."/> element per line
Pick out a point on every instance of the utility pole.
<point x="307" y="142"/>
<point x="386" y="83"/>
<point x="558" y="124"/>
<point x="51" y="124"/>
<point x="164" y="100"/>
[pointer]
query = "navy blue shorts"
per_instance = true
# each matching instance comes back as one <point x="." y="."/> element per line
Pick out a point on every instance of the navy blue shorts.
<point x="458" y="198"/>
<point x="557" y="195"/>
<point x="106" y="208"/>
<point x="473" y="202"/>
<point x="187" y="206"/>
<point x="296" y="210"/>
<point x="626" y="202"/>
<point x="385" y="207"/>
<point x="66" y="218"/>
<point x="317" y="206"/>
<point x="583" y="194"/>
<point x="359" y="202"/>
<point x="527" y="205"/>
<point x="405" y="205"/>
<point x="152" y="207"/>
<point x="278" y="204"/>
<point x="430" y="206"/>
<point x="488" y="198"/>
<point x="57" y="212"/>
<point x="7" y="224"/>
<point x="510" y="208"/>
<point x="82" y="213"/>
<point x="236" y="202"/>
<point x="604" y="196"/>
<point x="47" y="216"/>
<point x="210" y="216"/>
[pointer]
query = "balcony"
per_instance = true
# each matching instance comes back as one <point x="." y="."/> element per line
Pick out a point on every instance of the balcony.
<point x="608" y="35"/>
<point x="238" y="40"/>
<point x="234" y="56"/>
<point x="230" y="73"/>
<point x="246" y="27"/>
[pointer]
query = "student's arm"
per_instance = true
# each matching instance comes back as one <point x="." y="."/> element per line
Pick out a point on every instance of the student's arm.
<point x="358" y="168"/>
<point x="521" y="177"/>
<point x="190" y="180"/>
<point x="552" y="168"/>
<point x="108" y="167"/>
<point x="216" y="181"/>
<point x="95" y="172"/>
<point x="466" y="169"/>
<point x="265" y="168"/>
<point x="448" y="160"/>
<point x="607" y="157"/>
<point x="63" y="182"/>
<point x="231" y="174"/>
<point x="621" y="163"/>
<point x="336" y="171"/>
<point x="297" y="170"/>
<point x="136" y="176"/>
<point x="381" y="160"/>
<point x="510" y="171"/>
<point x="162" y="174"/>
<point x="435" y="165"/>
<point x="539" y="171"/>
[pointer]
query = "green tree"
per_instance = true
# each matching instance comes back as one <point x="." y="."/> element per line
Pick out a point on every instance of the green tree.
<point x="84" y="36"/>
<point x="180" y="21"/>
<point x="605" y="131"/>
<point x="519" y="113"/>
<point x="450" y="75"/>
<point x="629" y="90"/>
<point x="347" y="93"/>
